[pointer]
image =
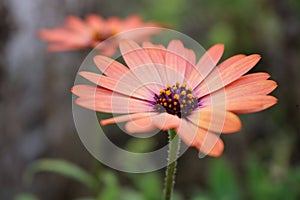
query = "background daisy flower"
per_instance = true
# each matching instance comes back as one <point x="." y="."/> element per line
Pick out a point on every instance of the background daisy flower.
<point x="165" y="88"/>
<point x="79" y="33"/>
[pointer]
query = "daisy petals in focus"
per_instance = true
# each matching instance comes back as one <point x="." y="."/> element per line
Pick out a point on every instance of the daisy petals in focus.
<point x="197" y="99"/>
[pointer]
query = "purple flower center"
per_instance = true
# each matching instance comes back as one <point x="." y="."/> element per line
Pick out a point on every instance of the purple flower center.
<point x="175" y="100"/>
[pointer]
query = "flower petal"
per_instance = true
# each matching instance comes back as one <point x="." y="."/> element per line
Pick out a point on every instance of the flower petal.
<point x="190" y="56"/>
<point x="96" y="22"/>
<point x="239" y="88"/>
<point x="77" y="24"/>
<point x="226" y="73"/>
<point x="157" y="55"/>
<point x="215" y="120"/>
<point x="175" y="59"/>
<point x="165" y="121"/>
<point x="110" y="67"/>
<point x="141" y="125"/>
<point x="135" y="56"/>
<point x="126" y="87"/>
<point x="125" y="118"/>
<point x="191" y="61"/>
<point x="156" y="52"/>
<point x="250" y="78"/>
<point x="102" y="100"/>
<point x="240" y="104"/>
<point x="162" y="121"/>
<point x="196" y="74"/>
<point x="206" y="142"/>
<point x="63" y="47"/>
<point x="249" y="85"/>
<point x="63" y="36"/>
<point x="231" y="72"/>
<point x="250" y="104"/>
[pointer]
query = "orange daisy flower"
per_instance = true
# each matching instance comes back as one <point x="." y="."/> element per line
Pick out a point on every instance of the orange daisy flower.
<point x="165" y="88"/>
<point x="80" y="34"/>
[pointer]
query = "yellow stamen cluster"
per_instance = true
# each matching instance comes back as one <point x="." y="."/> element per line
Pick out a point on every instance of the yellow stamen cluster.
<point x="176" y="100"/>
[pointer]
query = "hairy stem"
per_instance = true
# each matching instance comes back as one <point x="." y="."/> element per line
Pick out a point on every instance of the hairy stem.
<point x="174" y="143"/>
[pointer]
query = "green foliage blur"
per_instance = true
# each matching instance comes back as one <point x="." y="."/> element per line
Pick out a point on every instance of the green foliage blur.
<point x="222" y="182"/>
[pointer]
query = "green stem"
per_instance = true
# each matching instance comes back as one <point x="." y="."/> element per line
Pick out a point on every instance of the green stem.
<point x="174" y="143"/>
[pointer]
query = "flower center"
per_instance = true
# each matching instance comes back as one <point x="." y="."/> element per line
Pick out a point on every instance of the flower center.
<point x="98" y="36"/>
<point x="175" y="100"/>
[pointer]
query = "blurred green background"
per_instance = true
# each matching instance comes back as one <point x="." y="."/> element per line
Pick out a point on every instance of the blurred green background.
<point x="262" y="161"/>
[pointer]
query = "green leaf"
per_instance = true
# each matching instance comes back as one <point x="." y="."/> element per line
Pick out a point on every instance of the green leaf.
<point x="201" y="195"/>
<point x="222" y="33"/>
<point x="140" y="145"/>
<point x="149" y="185"/>
<point x="25" y="196"/>
<point x="129" y="194"/>
<point x="85" y="198"/>
<point x="63" y="168"/>
<point x="111" y="188"/>
<point x="167" y="11"/>
<point x="260" y="185"/>
<point x="222" y="181"/>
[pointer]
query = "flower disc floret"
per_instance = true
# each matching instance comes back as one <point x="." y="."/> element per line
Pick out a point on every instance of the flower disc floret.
<point x="176" y="100"/>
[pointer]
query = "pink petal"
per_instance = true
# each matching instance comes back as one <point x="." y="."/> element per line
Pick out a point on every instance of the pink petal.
<point x="251" y="78"/>
<point x="241" y="104"/>
<point x="250" y="104"/>
<point x="208" y="85"/>
<point x="230" y="61"/>
<point x="135" y="57"/>
<point x="63" y="47"/>
<point x="162" y="121"/>
<point x="141" y="125"/>
<point x="206" y="142"/>
<point x="82" y="90"/>
<point x="54" y="35"/>
<point x="248" y="85"/>
<point x="165" y="121"/>
<point x="191" y="73"/>
<point x="240" y="88"/>
<point x="195" y="74"/>
<point x="209" y="60"/>
<point x="125" y="118"/>
<point x="63" y="36"/>
<point x="191" y="62"/>
<point x="106" y="50"/>
<point x="76" y="24"/>
<point x="226" y="73"/>
<point x="104" y="104"/>
<point x="102" y="100"/>
<point x="168" y="74"/>
<point x="175" y="59"/>
<point x="113" y="24"/>
<point x="190" y="57"/>
<point x="156" y="52"/>
<point x="157" y="55"/>
<point x="132" y="21"/>
<point x="95" y="22"/>
<point x="234" y="71"/>
<point x="215" y="120"/>
<point x="110" y="67"/>
<point x="129" y="88"/>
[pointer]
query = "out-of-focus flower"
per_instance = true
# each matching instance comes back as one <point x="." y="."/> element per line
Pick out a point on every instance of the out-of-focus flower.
<point x="77" y="33"/>
<point x="165" y="88"/>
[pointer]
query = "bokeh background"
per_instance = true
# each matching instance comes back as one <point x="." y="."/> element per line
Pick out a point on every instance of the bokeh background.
<point x="262" y="161"/>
